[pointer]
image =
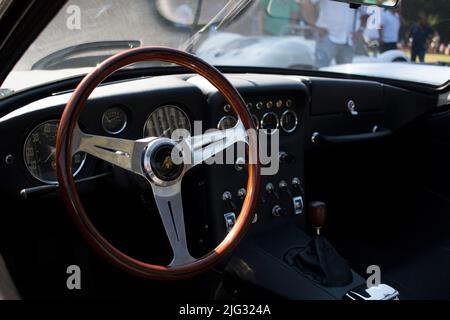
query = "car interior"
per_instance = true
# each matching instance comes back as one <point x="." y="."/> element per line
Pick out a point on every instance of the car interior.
<point x="87" y="180"/>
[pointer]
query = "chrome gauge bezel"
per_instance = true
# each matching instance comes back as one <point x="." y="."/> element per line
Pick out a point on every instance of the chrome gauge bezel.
<point x="163" y="107"/>
<point x="49" y="182"/>
<point x="124" y="126"/>
<point x="282" y="120"/>
<point x="261" y="125"/>
<point x="223" y="119"/>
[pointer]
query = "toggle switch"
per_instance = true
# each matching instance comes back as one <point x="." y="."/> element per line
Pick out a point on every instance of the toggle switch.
<point x="242" y="193"/>
<point x="230" y="220"/>
<point x="228" y="198"/>
<point x="270" y="190"/>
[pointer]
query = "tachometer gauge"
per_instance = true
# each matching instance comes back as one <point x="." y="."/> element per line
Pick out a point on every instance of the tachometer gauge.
<point x="165" y="120"/>
<point x="114" y="120"/>
<point x="39" y="153"/>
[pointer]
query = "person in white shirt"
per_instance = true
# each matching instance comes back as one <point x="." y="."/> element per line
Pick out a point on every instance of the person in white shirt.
<point x="339" y="27"/>
<point x="390" y="29"/>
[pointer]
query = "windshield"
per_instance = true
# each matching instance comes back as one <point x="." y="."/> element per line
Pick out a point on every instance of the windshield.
<point x="320" y="35"/>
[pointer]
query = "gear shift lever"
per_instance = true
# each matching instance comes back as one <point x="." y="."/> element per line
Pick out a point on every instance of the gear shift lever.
<point x="317" y="215"/>
<point x="319" y="259"/>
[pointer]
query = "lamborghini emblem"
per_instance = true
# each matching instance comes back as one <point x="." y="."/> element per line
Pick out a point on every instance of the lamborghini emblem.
<point x="168" y="164"/>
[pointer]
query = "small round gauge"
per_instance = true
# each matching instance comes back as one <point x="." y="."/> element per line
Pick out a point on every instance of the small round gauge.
<point x="39" y="153"/>
<point x="114" y="120"/>
<point x="270" y="122"/>
<point x="227" y="122"/>
<point x="289" y="121"/>
<point x="164" y="121"/>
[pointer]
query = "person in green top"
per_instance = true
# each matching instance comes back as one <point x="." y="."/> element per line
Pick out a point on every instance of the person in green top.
<point x="276" y="15"/>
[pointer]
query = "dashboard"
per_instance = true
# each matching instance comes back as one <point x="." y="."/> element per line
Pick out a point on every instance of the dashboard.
<point x="297" y="108"/>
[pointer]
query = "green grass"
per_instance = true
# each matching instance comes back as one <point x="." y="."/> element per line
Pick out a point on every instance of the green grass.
<point x="429" y="58"/>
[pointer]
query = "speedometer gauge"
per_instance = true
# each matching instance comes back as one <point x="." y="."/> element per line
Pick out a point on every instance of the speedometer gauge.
<point x="165" y="120"/>
<point x="39" y="153"/>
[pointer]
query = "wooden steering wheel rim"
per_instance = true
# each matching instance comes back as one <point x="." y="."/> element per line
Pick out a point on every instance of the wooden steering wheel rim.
<point x="67" y="184"/>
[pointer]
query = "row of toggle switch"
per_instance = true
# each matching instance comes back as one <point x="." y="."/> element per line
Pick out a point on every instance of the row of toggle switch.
<point x="295" y="195"/>
<point x="283" y="186"/>
<point x="270" y="189"/>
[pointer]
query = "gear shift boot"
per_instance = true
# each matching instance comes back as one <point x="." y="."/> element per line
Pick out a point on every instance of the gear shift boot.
<point x="321" y="262"/>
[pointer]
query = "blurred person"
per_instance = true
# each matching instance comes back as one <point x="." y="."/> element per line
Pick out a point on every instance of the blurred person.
<point x="391" y="22"/>
<point x="338" y="27"/>
<point x="421" y="34"/>
<point x="373" y="40"/>
<point x="441" y="48"/>
<point x="435" y="42"/>
<point x="276" y="15"/>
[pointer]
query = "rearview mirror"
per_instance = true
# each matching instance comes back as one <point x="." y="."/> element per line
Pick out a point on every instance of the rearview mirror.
<point x="381" y="3"/>
<point x="276" y="8"/>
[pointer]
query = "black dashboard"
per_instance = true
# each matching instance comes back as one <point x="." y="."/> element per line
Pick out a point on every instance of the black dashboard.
<point x="300" y="108"/>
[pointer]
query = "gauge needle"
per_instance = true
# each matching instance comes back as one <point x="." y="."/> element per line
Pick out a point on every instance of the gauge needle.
<point x="165" y="132"/>
<point x="114" y="118"/>
<point x="52" y="153"/>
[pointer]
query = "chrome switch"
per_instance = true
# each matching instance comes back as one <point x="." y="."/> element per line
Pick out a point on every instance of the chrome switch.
<point x="230" y="220"/>
<point x="298" y="205"/>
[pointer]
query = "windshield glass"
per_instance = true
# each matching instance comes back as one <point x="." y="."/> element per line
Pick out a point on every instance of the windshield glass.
<point x="321" y="35"/>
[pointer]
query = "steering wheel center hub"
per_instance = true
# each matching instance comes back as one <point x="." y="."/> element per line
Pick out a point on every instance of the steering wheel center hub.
<point x="162" y="163"/>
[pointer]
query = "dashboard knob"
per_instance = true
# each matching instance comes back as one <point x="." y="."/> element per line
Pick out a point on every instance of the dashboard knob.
<point x="277" y="211"/>
<point x="239" y="165"/>
<point x="317" y="214"/>
<point x="286" y="157"/>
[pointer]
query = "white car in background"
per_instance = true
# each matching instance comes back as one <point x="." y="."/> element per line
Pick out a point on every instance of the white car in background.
<point x="288" y="51"/>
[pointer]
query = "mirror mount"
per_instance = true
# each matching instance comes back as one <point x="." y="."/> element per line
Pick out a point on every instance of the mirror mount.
<point x="354" y="5"/>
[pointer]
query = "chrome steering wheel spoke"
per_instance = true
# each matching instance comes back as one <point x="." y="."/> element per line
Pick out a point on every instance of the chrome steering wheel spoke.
<point x="126" y="154"/>
<point x="170" y="206"/>
<point x="198" y="149"/>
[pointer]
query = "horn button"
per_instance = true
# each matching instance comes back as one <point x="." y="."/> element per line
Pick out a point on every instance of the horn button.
<point x="159" y="164"/>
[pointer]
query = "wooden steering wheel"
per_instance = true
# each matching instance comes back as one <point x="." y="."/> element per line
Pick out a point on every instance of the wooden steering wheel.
<point x="146" y="157"/>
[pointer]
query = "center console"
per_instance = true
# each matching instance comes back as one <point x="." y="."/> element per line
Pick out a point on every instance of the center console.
<point x="280" y="254"/>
